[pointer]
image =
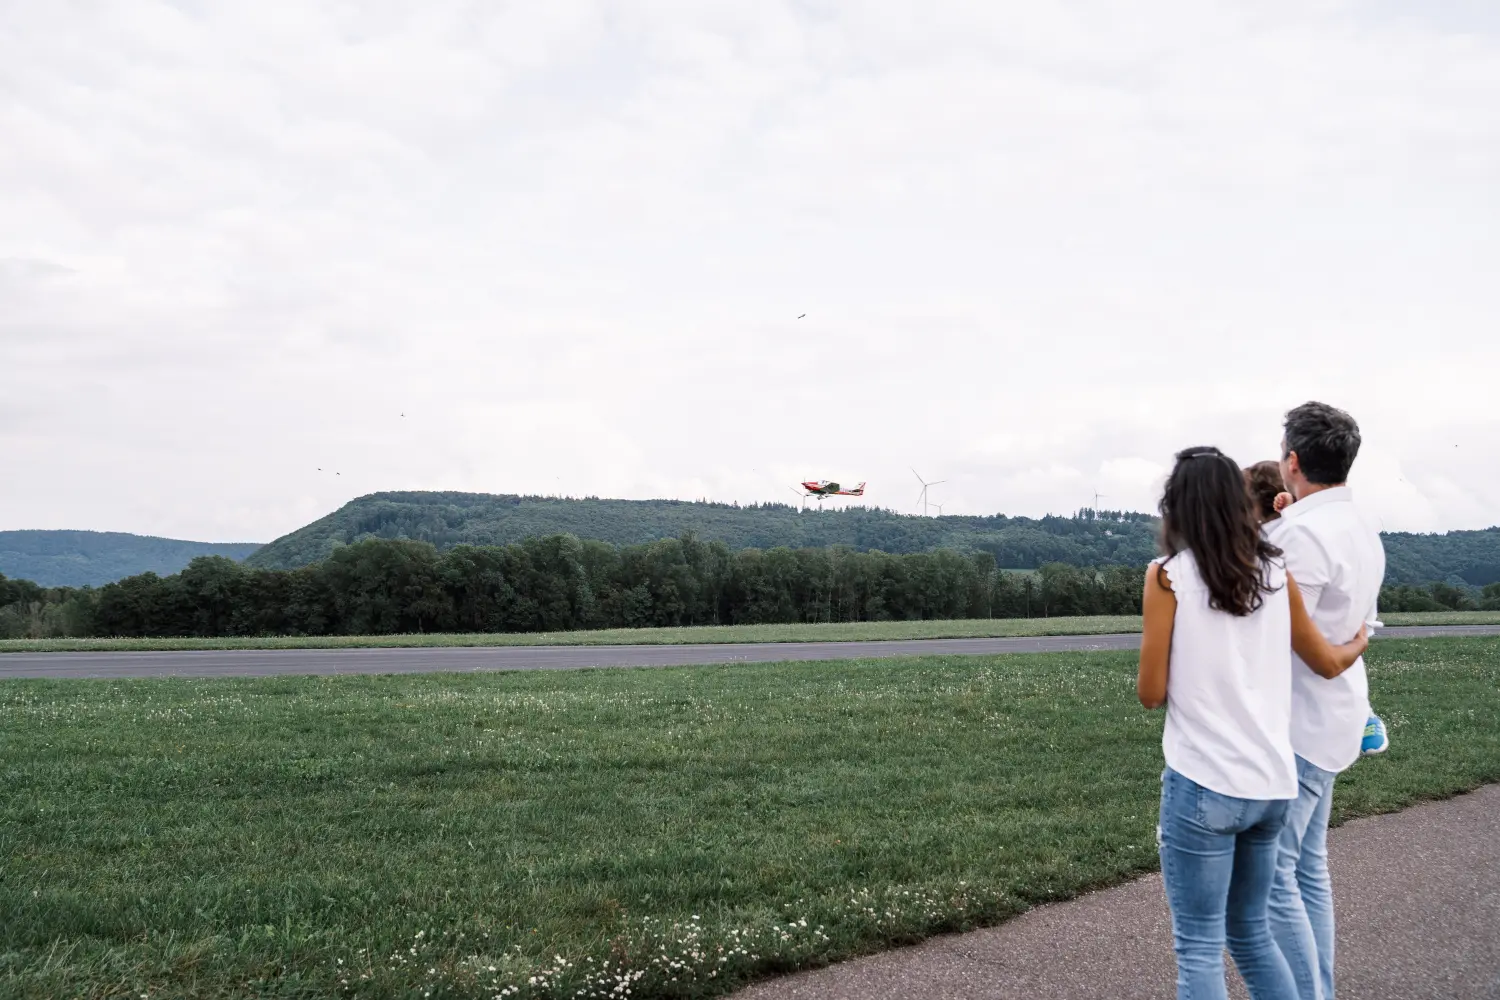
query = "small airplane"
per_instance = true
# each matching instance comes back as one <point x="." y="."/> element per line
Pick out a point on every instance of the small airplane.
<point x="821" y="488"/>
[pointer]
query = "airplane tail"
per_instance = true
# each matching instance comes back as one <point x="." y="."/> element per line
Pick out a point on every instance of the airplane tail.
<point x="858" y="491"/>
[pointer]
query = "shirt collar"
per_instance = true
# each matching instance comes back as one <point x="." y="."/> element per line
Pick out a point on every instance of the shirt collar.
<point x="1334" y="494"/>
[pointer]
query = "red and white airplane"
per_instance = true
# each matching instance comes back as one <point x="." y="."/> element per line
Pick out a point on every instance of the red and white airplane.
<point x="821" y="488"/>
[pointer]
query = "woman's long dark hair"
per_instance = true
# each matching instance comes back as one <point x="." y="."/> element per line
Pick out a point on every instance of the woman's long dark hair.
<point x="1207" y="510"/>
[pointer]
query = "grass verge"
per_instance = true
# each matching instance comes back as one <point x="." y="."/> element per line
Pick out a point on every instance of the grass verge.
<point x="973" y="628"/>
<point x="549" y="834"/>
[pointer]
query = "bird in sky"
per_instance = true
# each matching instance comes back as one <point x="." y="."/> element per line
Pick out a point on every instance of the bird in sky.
<point x="804" y="314"/>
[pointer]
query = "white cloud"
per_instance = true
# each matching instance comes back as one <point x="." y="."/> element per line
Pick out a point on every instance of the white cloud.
<point x="1040" y="247"/>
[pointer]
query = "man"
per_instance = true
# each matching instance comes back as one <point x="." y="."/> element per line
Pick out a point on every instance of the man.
<point x="1338" y="560"/>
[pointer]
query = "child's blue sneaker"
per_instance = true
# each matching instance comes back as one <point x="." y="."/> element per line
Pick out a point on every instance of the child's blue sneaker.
<point x="1375" y="740"/>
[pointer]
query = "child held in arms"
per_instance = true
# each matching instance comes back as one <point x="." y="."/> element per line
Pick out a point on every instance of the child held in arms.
<point x="1263" y="479"/>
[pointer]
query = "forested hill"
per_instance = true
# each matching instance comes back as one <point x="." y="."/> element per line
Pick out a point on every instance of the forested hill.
<point x="1471" y="557"/>
<point x="94" y="558"/>
<point x="448" y="519"/>
<point x="1088" y="539"/>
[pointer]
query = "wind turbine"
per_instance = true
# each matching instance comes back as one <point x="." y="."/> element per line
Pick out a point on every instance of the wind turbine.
<point x="922" y="497"/>
<point x="939" y="507"/>
<point x="801" y="498"/>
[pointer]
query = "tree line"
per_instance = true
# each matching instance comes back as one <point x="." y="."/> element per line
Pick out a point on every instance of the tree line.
<point x="1440" y="597"/>
<point x="562" y="583"/>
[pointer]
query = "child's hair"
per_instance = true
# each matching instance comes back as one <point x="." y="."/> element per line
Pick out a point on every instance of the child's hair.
<point x="1263" y="480"/>
<point x="1206" y="509"/>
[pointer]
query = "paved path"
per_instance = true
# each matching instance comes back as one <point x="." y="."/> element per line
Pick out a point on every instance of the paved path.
<point x="436" y="659"/>
<point x="1417" y="898"/>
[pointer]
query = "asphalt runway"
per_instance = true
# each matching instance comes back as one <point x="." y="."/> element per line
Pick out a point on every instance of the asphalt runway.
<point x="467" y="659"/>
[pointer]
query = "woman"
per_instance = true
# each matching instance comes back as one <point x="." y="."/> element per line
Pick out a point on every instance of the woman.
<point x="1221" y="619"/>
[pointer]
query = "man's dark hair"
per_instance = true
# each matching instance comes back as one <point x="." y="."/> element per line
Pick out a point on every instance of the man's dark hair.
<point x="1326" y="441"/>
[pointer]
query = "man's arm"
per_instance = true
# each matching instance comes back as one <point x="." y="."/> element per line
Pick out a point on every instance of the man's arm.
<point x="1307" y="561"/>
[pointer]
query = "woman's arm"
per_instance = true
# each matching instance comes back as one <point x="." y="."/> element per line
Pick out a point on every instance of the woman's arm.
<point x="1159" y="610"/>
<point x="1324" y="659"/>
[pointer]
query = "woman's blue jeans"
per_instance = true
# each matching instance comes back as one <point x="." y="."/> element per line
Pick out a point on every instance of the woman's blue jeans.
<point x="1218" y="859"/>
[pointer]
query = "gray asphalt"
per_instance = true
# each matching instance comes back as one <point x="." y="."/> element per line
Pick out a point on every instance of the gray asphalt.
<point x="466" y="659"/>
<point x="1417" y="907"/>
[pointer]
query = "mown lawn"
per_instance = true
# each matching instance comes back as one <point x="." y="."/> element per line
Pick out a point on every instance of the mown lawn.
<point x="972" y="628"/>
<point x="542" y="834"/>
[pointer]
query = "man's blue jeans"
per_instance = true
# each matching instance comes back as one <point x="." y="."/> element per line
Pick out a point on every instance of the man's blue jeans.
<point x="1302" y="898"/>
<point x="1218" y="859"/>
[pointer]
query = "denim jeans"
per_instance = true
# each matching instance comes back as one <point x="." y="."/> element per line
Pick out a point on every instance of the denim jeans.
<point x="1302" y="898"/>
<point x="1218" y="859"/>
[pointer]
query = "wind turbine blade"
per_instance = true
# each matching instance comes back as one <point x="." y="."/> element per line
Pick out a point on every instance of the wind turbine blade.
<point x="938" y="483"/>
<point x="919" y="477"/>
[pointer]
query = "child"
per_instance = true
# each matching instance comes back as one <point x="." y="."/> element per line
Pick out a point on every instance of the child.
<point x="1263" y="479"/>
<point x="1221" y="619"/>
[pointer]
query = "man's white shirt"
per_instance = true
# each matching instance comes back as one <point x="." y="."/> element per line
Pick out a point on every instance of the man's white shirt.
<point x="1336" y="556"/>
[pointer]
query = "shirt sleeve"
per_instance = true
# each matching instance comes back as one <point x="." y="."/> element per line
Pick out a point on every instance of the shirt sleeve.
<point x="1306" y="561"/>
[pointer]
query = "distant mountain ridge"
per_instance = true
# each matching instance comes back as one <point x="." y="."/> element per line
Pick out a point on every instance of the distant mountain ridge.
<point x="94" y="558"/>
<point x="1088" y="538"/>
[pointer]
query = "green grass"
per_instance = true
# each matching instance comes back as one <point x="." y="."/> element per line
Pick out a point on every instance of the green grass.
<point x="972" y="628"/>
<point x="453" y="835"/>
<point x="1441" y="618"/>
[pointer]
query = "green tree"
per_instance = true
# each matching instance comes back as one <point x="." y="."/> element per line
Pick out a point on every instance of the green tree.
<point x="387" y="587"/>
<point x="1451" y="597"/>
<point x="1491" y="598"/>
<point x="211" y="592"/>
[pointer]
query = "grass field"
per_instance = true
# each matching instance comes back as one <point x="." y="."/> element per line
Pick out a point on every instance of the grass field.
<point x="837" y="632"/>
<point x="558" y="834"/>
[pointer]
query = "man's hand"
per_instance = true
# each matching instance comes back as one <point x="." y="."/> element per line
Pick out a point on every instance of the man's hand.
<point x="1283" y="501"/>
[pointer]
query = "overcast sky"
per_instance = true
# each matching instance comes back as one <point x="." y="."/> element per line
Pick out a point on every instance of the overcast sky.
<point x="1039" y="246"/>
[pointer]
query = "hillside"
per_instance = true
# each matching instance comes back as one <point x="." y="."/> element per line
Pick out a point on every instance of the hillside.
<point x="1471" y="557"/>
<point x="1110" y="538"/>
<point x="448" y="519"/>
<point x="94" y="558"/>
